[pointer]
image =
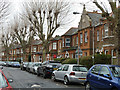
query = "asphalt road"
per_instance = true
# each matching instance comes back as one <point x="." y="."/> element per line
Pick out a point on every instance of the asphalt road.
<point x="23" y="79"/>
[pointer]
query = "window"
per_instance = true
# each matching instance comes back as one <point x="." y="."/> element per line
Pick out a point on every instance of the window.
<point x="34" y="49"/>
<point x="104" y="71"/>
<point x="3" y="82"/>
<point x="77" y="40"/>
<point x="54" y="46"/>
<point x="14" y="51"/>
<point x="106" y="52"/>
<point x="17" y="51"/>
<point x="80" y="68"/>
<point x="21" y="51"/>
<point x="97" y="35"/>
<point x="67" y="42"/>
<point x="115" y="71"/>
<point x="85" y="36"/>
<point x="76" y="56"/>
<point x="62" y="42"/>
<point x="81" y="38"/>
<point x="95" y="70"/>
<point x="65" y="68"/>
<point x="85" y="53"/>
<point x="106" y="32"/>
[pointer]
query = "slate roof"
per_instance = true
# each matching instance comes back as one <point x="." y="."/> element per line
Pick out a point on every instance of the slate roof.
<point x="56" y="38"/>
<point x="95" y="18"/>
<point x="36" y="42"/>
<point x="71" y="31"/>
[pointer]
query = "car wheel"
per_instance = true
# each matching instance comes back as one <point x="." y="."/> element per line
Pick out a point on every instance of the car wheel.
<point x="66" y="81"/>
<point x="44" y="74"/>
<point x="87" y="86"/>
<point x="53" y="77"/>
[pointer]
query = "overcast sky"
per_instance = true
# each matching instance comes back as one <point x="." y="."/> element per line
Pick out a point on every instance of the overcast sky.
<point x="76" y="6"/>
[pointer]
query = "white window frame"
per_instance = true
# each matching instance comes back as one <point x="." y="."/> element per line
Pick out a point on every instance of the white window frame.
<point x="106" y="32"/>
<point x="67" y="42"/>
<point x="34" y="49"/>
<point x="21" y="51"/>
<point x="62" y="42"/>
<point x="98" y="35"/>
<point x="86" y="37"/>
<point x="54" y="45"/>
<point x="81" y="38"/>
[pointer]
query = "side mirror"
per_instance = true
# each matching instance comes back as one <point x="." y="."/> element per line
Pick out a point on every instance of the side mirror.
<point x="10" y="80"/>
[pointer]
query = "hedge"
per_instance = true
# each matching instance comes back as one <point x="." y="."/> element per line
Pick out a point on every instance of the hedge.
<point x="70" y="61"/>
<point x="60" y="59"/>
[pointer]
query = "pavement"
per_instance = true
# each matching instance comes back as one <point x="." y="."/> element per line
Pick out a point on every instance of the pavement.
<point x="25" y="80"/>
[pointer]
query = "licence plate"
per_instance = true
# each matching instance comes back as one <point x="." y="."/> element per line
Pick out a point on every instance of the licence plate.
<point x="54" y="68"/>
<point x="82" y="78"/>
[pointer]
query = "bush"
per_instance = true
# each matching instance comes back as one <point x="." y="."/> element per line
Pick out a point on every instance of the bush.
<point x="70" y="61"/>
<point x="87" y="61"/>
<point x="99" y="59"/>
<point x="60" y="59"/>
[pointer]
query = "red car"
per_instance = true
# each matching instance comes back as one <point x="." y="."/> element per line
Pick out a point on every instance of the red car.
<point x="4" y="82"/>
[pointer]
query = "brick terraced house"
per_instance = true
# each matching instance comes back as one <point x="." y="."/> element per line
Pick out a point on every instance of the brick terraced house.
<point x="92" y="35"/>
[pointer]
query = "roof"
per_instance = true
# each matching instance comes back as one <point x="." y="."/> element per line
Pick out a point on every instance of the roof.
<point x="71" y="31"/>
<point x="56" y="38"/>
<point x="95" y="18"/>
<point x="108" y="65"/>
<point x="36" y="42"/>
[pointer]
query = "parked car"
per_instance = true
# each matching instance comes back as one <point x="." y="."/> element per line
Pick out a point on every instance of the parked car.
<point x="2" y="63"/>
<point x="47" y="68"/>
<point x="8" y="63"/>
<point x="4" y="82"/>
<point x="15" y="64"/>
<point x="29" y="65"/>
<point x="103" y="77"/>
<point x="70" y="73"/>
<point x="34" y="67"/>
<point x="23" y="65"/>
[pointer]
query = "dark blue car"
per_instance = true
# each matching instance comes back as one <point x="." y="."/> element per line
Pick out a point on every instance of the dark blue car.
<point x="106" y="77"/>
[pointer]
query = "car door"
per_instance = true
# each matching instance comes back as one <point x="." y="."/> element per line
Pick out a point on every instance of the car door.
<point x="93" y="76"/>
<point x="58" y="73"/>
<point x="105" y="78"/>
<point x="64" y="71"/>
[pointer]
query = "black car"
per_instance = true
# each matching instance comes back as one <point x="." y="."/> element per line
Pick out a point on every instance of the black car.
<point x="47" y="68"/>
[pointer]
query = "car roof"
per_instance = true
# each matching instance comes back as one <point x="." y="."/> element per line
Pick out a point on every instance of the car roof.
<point x="108" y="65"/>
<point x="73" y="64"/>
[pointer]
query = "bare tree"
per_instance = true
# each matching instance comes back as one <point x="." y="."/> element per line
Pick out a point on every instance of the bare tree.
<point x="113" y="21"/>
<point x="7" y="42"/>
<point x="23" y="33"/>
<point x="4" y="9"/>
<point x="46" y="18"/>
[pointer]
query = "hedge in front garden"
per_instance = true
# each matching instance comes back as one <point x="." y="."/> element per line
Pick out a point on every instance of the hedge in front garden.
<point x="60" y="59"/>
<point x="99" y="59"/>
<point x="70" y="61"/>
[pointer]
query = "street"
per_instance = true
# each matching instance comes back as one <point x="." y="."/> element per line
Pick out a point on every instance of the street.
<point x="23" y="79"/>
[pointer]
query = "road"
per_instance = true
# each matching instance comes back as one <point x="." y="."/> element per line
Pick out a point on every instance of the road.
<point x="23" y="79"/>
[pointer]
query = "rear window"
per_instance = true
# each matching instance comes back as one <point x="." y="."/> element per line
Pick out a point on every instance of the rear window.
<point x="80" y="68"/>
<point x="3" y="82"/>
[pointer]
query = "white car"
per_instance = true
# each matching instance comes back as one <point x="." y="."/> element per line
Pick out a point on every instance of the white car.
<point x="34" y="67"/>
<point x="70" y="73"/>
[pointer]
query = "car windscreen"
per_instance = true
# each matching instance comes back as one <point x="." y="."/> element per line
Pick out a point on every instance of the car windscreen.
<point x="55" y="65"/>
<point x="3" y="82"/>
<point x="115" y="71"/>
<point x="80" y="68"/>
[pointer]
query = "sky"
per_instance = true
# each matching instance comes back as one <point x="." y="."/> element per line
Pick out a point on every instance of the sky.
<point x="76" y="6"/>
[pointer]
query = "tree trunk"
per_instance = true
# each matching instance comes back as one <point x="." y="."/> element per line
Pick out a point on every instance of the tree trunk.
<point x="44" y="55"/>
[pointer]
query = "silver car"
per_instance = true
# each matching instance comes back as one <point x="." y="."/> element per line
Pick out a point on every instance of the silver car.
<point x="34" y="67"/>
<point x="70" y="73"/>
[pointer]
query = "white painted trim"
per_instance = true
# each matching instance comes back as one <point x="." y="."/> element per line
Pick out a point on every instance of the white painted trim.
<point x="108" y="37"/>
<point x="108" y="45"/>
